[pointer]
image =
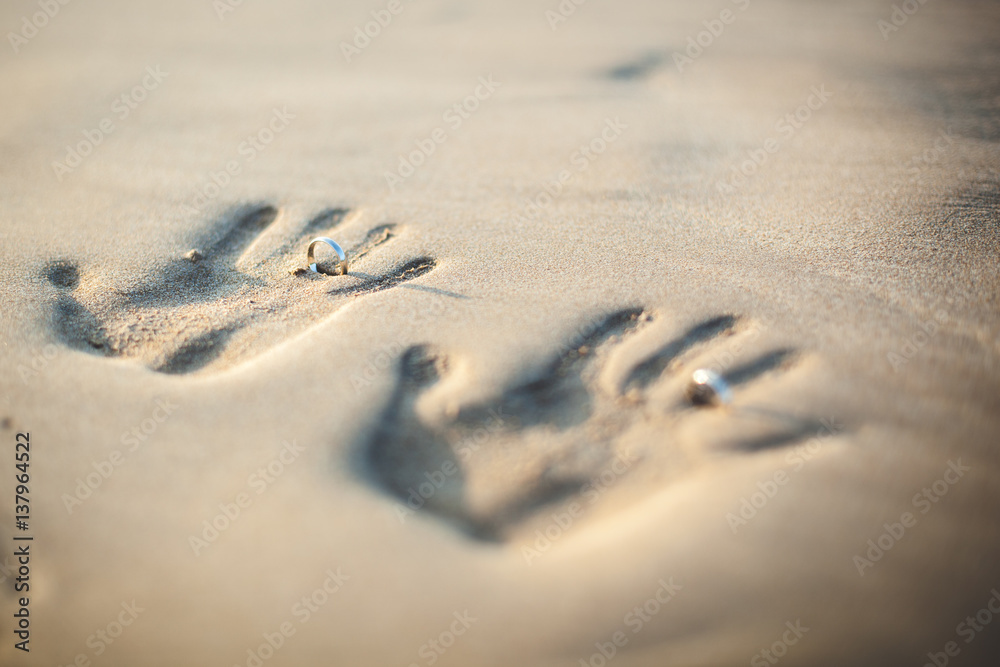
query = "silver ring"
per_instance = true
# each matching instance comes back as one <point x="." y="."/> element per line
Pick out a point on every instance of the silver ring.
<point x="708" y="388"/>
<point x="341" y="268"/>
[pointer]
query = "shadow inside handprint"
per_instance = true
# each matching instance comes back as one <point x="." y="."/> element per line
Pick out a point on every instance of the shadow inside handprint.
<point x="491" y="466"/>
<point x="240" y="292"/>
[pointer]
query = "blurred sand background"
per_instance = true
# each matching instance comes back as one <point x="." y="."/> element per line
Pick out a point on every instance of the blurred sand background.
<point x="862" y="255"/>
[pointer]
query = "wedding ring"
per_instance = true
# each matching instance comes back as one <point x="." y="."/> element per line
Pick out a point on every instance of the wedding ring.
<point x="341" y="268"/>
<point x="708" y="388"/>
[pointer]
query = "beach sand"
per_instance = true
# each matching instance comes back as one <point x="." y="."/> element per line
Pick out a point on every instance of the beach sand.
<point x="476" y="448"/>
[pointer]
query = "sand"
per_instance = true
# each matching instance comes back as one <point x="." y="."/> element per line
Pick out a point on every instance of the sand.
<point x="476" y="448"/>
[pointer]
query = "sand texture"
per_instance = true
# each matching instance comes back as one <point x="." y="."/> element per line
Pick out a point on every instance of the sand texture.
<point x="479" y="447"/>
